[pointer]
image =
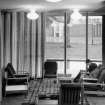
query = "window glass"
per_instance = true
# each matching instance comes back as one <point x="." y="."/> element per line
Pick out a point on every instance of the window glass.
<point x="54" y="39"/>
<point x="76" y="46"/>
<point x="75" y="42"/>
<point x="95" y="38"/>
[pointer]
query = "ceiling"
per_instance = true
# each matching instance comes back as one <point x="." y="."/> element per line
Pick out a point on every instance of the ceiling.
<point x="42" y="5"/>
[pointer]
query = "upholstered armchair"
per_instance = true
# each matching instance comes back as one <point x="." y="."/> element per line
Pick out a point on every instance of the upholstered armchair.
<point x="10" y="72"/>
<point x="70" y="94"/>
<point x="14" y="82"/>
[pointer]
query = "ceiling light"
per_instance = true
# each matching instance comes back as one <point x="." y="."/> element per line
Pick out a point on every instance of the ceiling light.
<point x="32" y="15"/>
<point x="75" y="16"/>
<point x="53" y="0"/>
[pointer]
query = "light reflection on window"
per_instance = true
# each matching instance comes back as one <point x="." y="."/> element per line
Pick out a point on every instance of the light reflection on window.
<point x="73" y="67"/>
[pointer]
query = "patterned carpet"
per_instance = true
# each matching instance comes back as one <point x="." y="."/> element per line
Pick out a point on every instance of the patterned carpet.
<point x="39" y="91"/>
<point x="46" y="88"/>
<point x="49" y="87"/>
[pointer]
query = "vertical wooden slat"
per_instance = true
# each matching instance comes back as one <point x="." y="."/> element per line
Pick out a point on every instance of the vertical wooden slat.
<point x="36" y="50"/>
<point x="2" y="40"/>
<point x="30" y="48"/>
<point x="21" y="42"/>
<point x="7" y="38"/>
<point x="43" y="22"/>
<point x="33" y="46"/>
<point x="103" y="39"/>
<point x="25" y="44"/>
<point x="39" y="60"/>
<point x="28" y="45"/>
<point x="11" y="18"/>
<point x="65" y="42"/>
<point x="14" y="40"/>
<point x="1" y="47"/>
<point x="18" y="37"/>
<point x="86" y="39"/>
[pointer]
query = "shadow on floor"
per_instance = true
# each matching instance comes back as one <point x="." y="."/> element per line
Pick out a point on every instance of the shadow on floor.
<point x="13" y="99"/>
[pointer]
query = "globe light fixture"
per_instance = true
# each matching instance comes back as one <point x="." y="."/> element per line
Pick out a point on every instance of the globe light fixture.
<point x="53" y="1"/>
<point x="32" y="15"/>
<point x="76" y="16"/>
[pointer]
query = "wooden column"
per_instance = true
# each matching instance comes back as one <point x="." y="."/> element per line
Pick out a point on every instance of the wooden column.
<point x="43" y="26"/>
<point x="0" y="59"/>
<point x="65" y="41"/>
<point x="103" y="39"/>
<point x="86" y="39"/>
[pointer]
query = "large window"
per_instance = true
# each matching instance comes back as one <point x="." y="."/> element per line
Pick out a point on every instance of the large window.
<point x="70" y="49"/>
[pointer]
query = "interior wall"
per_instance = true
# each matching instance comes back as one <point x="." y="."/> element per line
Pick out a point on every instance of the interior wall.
<point x="21" y="40"/>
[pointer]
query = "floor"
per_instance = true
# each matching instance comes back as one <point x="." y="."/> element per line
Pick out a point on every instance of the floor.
<point x="14" y="99"/>
<point x="48" y="102"/>
<point x="17" y="99"/>
<point x="96" y="100"/>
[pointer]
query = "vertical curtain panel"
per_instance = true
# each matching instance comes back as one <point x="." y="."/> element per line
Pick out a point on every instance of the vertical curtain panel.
<point x="21" y="42"/>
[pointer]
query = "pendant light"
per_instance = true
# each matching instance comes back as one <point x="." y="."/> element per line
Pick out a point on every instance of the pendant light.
<point x="32" y="15"/>
<point x="53" y="0"/>
<point x="76" y="16"/>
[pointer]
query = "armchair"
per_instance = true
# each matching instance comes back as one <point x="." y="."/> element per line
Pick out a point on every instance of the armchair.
<point x="70" y="94"/>
<point x="90" y="84"/>
<point x="10" y="72"/>
<point x="13" y="82"/>
<point x="50" y="68"/>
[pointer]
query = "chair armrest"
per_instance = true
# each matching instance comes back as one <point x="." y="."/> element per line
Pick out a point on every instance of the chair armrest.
<point x="23" y="72"/>
<point x="91" y="80"/>
<point x="17" y="81"/>
<point x="21" y="75"/>
<point x="93" y="84"/>
<point x="50" y="76"/>
<point x="20" y="78"/>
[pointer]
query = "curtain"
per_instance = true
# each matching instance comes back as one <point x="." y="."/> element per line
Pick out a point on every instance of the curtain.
<point x="1" y="58"/>
<point x="22" y="42"/>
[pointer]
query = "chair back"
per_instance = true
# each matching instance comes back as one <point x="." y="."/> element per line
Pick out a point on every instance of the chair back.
<point x="70" y="94"/>
<point x="50" y="68"/>
<point x="10" y="70"/>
